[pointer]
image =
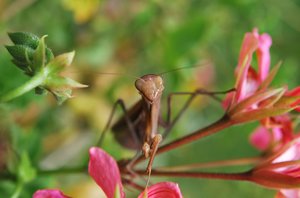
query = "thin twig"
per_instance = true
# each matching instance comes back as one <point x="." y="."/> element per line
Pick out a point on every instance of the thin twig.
<point x="222" y="163"/>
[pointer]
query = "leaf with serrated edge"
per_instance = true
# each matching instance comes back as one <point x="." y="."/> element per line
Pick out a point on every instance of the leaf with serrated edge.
<point x="24" y="38"/>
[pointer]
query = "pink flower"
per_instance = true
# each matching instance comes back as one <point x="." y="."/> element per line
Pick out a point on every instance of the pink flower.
<point x="274" y="133"/>
<point x="281" y="170"/>
<point x="288" y="194"/>
<point x="260" y="138"/>
<point x="163" y="189"/>
<point x="253" y="99"/>
<point x="248" y="80"/>
<point x="49" y="193"/>
<point x="104" y="170"/>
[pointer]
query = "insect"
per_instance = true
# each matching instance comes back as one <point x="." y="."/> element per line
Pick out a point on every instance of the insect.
<point x="144" y="116"/>
<point x="138" y="127"/>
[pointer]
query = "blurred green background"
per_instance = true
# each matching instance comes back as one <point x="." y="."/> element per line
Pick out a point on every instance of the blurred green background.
<point x="134" y="38"/>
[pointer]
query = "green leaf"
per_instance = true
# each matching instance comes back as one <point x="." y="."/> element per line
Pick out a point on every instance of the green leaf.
<point x="39" y="56"/>
<point x="21" y="65"/>
<point x="49" y="55"/>
<point x="24" y="38"/>
<point x="26" y="171"/>
<point x="21" y="53"/>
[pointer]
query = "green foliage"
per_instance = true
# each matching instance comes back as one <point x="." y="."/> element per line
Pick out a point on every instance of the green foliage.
<point x="37" y="61"/>
<point x="131" y="38"/>
<point x="29" y="52"/>
<point x="26" y="172"/>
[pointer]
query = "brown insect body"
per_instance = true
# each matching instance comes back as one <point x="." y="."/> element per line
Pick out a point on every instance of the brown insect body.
<point x="144" y="117"/>
<point x="121" y="131"/>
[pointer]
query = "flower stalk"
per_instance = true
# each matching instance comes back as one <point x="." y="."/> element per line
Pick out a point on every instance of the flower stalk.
<point x="244" y="176"/>
<point x="31" y="84"/>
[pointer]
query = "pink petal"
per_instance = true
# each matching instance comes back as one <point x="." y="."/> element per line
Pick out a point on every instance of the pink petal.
<point x="263" y="54"/>
<point x="163" y="189"/>
<point x="291" y="153"/>
<point x="260" y="138"/>
<point x="284" y="131"/>
<point x="250" y="44"/>
<point x="228" y="100"/>
<point x="290" y="193"/>
<point x="252" y="83"/>
<point x="104" y="170"/>
<point x="49" y="193"/>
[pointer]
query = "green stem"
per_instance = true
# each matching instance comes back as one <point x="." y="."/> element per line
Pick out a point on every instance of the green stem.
<point x="18" y="190"/>
<point x="34" y="82"/>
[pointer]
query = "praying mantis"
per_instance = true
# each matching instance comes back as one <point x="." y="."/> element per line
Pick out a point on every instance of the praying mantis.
<point x="138" y="127"/>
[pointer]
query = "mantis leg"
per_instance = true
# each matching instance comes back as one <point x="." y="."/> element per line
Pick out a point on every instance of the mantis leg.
<point x="170" y="124"/>
<point x="132" y="130"/>
<point x="129" y="123"/>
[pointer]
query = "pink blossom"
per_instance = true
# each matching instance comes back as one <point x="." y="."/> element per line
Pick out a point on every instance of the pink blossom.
<point x="104" y="170"/>
<point x="288" y="194"/>
<point x="49" y="193"/>
<point x="260" y="138"/>
<point x="274" y="133"/>
<point x="253" y="99"/>
<point x="263" y="54"/>
<point x="163" y="189"/>
<point x="248" y="80"/>
<point x="281" y="170"/>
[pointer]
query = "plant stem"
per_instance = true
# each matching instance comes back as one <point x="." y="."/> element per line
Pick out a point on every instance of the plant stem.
<point x="234" y="162"/>
<point x="35" y="81"/>
<point x="244" y="176"/>
<point x="18" y="190"/>
<point x="223" y="123"/>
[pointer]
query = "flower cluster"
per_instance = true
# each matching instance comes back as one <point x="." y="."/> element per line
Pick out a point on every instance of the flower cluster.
<point x="253" y="98"/>
<point x="104" y="170"/>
